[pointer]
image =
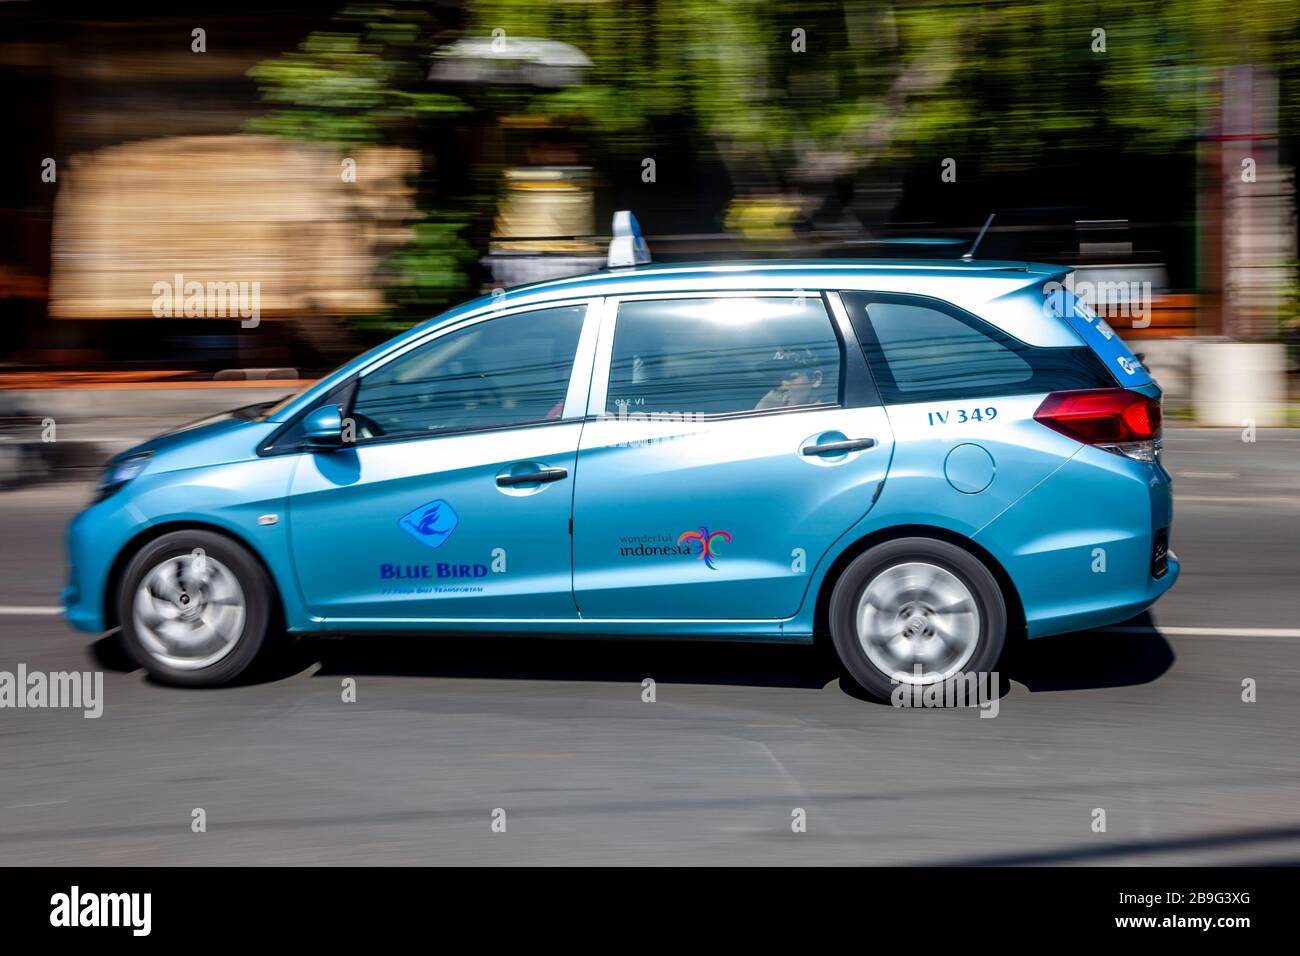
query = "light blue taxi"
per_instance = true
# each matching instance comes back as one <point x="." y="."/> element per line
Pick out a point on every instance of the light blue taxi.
<point x="924" y="460"/>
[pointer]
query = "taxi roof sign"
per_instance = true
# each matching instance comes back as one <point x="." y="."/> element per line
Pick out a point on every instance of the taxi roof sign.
<point x="628" y="247"/>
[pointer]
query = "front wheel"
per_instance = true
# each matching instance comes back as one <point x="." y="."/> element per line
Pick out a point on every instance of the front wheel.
<point x="916" y="611"/>
<point x="194" y="607"/>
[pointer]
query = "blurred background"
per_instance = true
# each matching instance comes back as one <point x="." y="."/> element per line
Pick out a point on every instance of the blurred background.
<point x="206" y="205"/>
<point x="347" y="169"/>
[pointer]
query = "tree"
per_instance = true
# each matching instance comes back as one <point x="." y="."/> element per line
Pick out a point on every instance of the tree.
<point x="799" y="97"/>
<point x="363" y="83"/>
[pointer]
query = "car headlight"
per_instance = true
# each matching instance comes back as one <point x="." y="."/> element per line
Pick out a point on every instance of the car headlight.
<point x="119" y="473"/>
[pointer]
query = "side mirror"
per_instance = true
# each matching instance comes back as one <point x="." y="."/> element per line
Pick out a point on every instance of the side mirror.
<point x="323" y="428"/>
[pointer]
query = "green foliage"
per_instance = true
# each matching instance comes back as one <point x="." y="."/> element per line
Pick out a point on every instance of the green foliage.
<point x="1014" y="78"/>
<point x="1012" y="82"/>
<point x="363" y="83"/>
<point x="428" y="270"/>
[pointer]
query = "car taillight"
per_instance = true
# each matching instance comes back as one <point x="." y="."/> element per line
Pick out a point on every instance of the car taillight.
<point x="1114" y="419"/>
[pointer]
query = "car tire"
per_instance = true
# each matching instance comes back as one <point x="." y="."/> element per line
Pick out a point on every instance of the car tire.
<point x="195" y="608"/>
<point x="916" y="603"/>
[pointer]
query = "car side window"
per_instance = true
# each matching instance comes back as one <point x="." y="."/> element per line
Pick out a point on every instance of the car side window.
<point x="922" y="350"/>
<point x="509" y="370"/>
<point x="721" y="356"/>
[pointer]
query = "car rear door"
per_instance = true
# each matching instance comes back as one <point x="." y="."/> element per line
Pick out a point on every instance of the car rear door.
<point x="731" y="439"/>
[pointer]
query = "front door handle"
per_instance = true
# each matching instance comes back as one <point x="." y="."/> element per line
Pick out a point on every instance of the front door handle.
<point x="838" y="447"/>
<point x="535" y="477"/>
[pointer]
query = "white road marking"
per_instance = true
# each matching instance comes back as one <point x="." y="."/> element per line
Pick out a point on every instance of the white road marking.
<point x="1208" y="631"/>
<point x="1244" y="499"/>
<point x="29" y="611"/>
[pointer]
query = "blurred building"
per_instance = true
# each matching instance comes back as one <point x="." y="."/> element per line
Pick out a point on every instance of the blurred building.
<point x="130" y="169"/>
<point x="130" y="173"/>
<point x="268" y="213"/>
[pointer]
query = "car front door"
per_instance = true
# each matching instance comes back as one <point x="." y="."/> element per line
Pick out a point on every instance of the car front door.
<point x="452" y="504"/>
<point x="731" y="438"/>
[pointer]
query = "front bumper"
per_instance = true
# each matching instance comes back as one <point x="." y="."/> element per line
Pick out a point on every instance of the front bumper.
<point x="94" y="537"/>
<point x="83" y="617"/>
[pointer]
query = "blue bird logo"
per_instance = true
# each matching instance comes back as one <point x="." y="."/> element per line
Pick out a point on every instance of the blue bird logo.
<point x="431" y="524"/>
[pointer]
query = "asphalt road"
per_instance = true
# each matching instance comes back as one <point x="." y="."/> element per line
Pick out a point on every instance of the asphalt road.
<point x="1147" y="724"/>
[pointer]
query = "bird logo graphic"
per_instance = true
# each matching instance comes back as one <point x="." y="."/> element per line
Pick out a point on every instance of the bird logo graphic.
<point x="431" y="524"/>
<point x="705" y="538"/>
<point x="427" y="520"/>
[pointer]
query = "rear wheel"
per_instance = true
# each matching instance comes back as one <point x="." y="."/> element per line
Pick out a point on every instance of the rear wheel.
<point x="195" y="608"/>
<point x="916" y="611"/>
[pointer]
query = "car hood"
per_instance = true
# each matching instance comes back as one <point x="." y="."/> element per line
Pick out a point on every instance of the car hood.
<point x="211" y="434"/>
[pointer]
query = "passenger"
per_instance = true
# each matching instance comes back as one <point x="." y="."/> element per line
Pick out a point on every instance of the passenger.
<point x="800" y="379"/>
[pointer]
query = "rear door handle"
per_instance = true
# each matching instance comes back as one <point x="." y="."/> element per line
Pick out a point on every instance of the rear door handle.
<point x="536" y="477"/>
<point x="832" y="447"/>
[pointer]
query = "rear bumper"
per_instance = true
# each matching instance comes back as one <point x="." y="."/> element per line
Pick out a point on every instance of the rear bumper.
<point x="1103" y="613"/>
<point x="1079" y="546"/>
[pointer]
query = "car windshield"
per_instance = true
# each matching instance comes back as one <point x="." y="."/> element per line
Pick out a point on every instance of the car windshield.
<point x="263" y="411"/>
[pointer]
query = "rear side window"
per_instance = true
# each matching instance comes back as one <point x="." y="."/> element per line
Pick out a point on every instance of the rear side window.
<point x="723" y="356"/>
<point x="923" y="350"/>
